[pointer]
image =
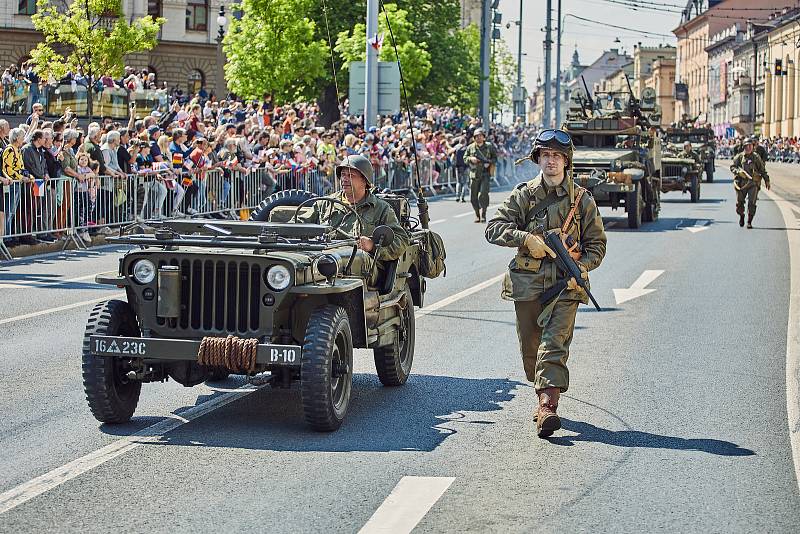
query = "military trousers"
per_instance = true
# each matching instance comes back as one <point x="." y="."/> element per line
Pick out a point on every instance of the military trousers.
<point x="479" y="192"/>
<point x="545" y="350"/>
<point x="749" y="194"/>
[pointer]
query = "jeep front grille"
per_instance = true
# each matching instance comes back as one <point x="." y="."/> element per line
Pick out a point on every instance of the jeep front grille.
<point x="672" y="170"/>
<point x="222" y="296"/>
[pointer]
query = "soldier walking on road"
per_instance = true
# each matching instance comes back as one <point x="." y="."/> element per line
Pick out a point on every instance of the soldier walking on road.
<point x="551" y="201"/>
<point x="748" y="170"/>
<point x="481" y="157"/>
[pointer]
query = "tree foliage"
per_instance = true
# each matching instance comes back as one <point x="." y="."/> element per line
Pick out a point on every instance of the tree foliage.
<point x="273" y="49"/>
<point x="414" y="56"/>
<point x="91" y="36"/>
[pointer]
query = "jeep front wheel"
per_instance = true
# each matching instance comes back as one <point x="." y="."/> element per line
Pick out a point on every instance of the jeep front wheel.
<point x="326" y="369"/>
<point x="393" y="362"/>
<point x="633" y="205"/>
<point x="112" y="397"/>
<point x="695" y="188"/>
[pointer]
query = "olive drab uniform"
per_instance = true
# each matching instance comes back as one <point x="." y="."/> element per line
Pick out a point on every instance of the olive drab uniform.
<point x="373" y="211"/>
<point x="545" y="335"/>
<point x="480" y="173"/>
<point x="748" y="183"/>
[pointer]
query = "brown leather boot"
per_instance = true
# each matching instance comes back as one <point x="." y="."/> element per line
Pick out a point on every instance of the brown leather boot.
<point x="477" y="216"/>
<point x="750" y="220"/>
<point x="483" y="215"/>
<point x="547" y="421"/>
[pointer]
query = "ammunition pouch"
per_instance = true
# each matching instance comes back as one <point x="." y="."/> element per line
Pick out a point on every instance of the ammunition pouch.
<point x="525" y="262"/>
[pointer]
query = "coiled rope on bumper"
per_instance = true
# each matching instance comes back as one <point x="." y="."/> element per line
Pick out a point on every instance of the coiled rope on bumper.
<point x="233" y="353"/>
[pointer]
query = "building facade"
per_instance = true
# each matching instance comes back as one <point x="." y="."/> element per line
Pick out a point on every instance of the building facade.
<point x="781" y="99"/>
<point x="662" y="80"/>
<point x="720" y="78"/>
<point x="187" y="55"/>
<point x="700" y="20"/>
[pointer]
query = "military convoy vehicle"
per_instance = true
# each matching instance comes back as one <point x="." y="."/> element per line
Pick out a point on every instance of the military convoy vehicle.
<point x="206" y="299"/>
<point x="615" y="158"/>
<point x="703" y="143"/>
<point x="680" y="173"/>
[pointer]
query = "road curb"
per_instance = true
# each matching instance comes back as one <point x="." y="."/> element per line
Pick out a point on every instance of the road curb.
<point x="793" y="330"/>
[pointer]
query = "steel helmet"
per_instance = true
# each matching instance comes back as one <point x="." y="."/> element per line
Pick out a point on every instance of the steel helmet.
<point x="479" y="131"/>
<point x="358" y="163"/>
<point x="557" y="140"/>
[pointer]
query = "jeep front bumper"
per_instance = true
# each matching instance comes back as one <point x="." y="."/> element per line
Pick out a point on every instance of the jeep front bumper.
<point x="183" y="350"/>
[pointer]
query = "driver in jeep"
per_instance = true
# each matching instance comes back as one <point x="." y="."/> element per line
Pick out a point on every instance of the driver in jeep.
<point x="355" y="175"/>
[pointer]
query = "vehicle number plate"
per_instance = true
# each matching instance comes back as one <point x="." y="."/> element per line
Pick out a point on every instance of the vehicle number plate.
<point x="287" y="356"/>
<point x="119" y="346"/>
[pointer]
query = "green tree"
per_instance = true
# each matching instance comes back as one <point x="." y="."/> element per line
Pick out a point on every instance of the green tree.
<point x="503" y="77"/>
<point x="414" y="56"/>
<point x="273" y="49"/>
<point x="90" y="36"/>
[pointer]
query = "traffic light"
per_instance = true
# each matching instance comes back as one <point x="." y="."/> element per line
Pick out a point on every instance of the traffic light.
<point x="778" y="67"/>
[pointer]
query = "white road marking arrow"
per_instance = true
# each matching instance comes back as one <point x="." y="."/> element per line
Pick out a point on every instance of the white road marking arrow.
<point x="699" y="226"/>
<point x="639" y="287"/>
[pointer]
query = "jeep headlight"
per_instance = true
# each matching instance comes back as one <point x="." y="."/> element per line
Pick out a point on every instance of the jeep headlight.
<point x="278" y="277"/>
<point x="684" y="170"/>
<point x="144" y="271"/>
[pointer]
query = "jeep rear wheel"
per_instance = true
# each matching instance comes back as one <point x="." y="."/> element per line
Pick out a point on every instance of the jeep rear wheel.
<point x="633" y="205"/>
<point x="326" y="370"/>
<point x="112" y="397"/>
<point x="393" y="362"/>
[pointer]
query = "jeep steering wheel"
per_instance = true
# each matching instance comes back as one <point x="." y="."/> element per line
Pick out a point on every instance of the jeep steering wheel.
<point x="334" y="228"/>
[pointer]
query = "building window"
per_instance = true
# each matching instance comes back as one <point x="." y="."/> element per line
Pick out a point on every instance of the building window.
<point x="196" y="81"/>
<point x="154" y="8"/>
<point x="26" y="7"/>
<point x="197" y="15"/>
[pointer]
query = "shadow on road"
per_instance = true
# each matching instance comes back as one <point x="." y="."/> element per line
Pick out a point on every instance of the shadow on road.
<point x="634" y="438"/>
<point x="685" y="200"/>
<point x="664" y="224"/>
<point x="407" y="418"/>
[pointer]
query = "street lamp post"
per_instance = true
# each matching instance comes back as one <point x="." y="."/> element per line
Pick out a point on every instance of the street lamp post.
<point x="222" y="21"/>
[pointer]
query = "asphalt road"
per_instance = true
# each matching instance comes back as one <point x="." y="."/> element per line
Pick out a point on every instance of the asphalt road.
<point x="675" y="419"/>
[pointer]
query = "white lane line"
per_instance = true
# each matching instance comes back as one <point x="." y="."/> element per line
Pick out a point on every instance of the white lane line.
<point x="33" y="488"/>
<point x="699" y="226"/>
<point x="793" y="331"/>
<point x="50" y="283"/>
<point x="28" y="490"/>
<point x="467" y="214"/>
<point x="408" y="503"/>
<point x="458" y="296"/>
<point x="60" y="308"/>
<point x="437" y="221"/>
<point x="638" y="288"/>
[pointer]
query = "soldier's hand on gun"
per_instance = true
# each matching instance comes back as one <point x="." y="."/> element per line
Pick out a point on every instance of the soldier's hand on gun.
<point x="571" y="283"/>
<point x="535" y="245"/>
<point x="366" y="244"/>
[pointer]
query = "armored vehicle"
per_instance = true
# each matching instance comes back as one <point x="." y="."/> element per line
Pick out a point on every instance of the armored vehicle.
<point x="703" y="143"/>
<point x="680" y="173"/>
<point x="270" y="296"/>
<point x="615" y="158"/>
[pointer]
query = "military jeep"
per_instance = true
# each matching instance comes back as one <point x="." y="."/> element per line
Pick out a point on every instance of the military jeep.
<point x="703" y="143"/>
<point x="680" y="173"/>
<point x="285" y="301"/>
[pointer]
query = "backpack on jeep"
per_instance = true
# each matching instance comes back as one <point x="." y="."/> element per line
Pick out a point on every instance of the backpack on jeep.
<point x="432" y="255"/>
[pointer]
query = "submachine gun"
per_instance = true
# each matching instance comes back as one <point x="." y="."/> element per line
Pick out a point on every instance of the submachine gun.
<point x="566" y="265"/>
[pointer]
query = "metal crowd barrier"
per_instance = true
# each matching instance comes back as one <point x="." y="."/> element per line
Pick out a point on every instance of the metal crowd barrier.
<point x="72" y="211"/>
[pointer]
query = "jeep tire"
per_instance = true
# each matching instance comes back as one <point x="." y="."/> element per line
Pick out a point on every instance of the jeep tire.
<point x="709" y="171"/>
<point x="290" y="197"/>
<point x="394" y="361"/>
<point x="695" y="188"/>
<point x="326" y="368"/>
<point x="633" y="205"/>
<point x="112" y="397"/>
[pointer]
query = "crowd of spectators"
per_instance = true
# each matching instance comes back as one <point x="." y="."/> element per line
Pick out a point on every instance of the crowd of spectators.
<point x="779" y="149"/>
<point x="203" y="156"/>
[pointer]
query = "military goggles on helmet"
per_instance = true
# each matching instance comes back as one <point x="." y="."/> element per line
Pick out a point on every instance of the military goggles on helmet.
<point x="549" y="134"/>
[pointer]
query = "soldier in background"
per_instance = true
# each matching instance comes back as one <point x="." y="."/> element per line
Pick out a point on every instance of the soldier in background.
<point x="748" y="170"/>
<point x="481" y="156"/>
<point x="551" y="201"/>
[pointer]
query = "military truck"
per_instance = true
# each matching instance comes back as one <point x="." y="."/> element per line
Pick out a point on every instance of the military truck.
<point x="680" y="173"/>
<point x="615" y="158"/>
<point x="703" y="143"/>
<point x="269" y="297"/>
